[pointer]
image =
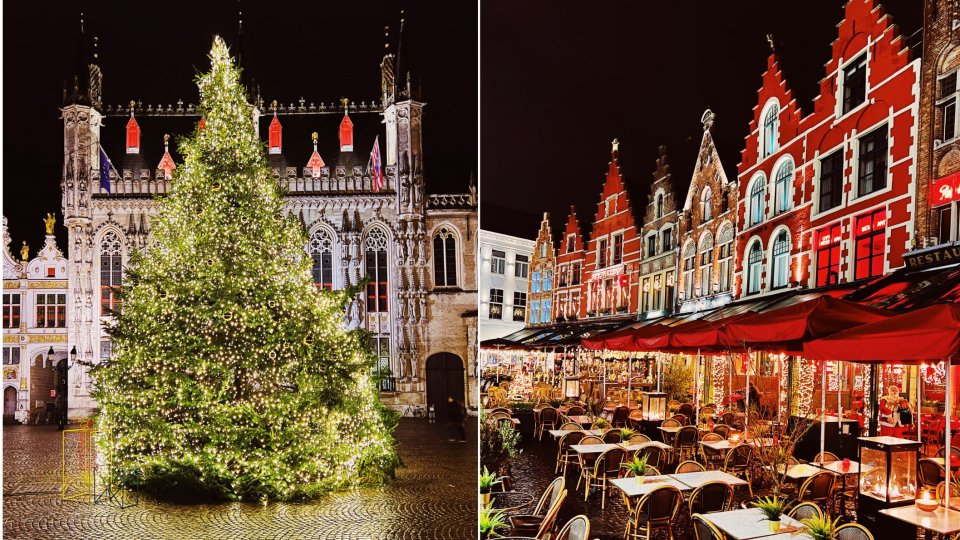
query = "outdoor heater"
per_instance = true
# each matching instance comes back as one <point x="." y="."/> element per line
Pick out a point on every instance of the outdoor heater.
<point x="888" y="476"/>
<point x="571" y="387"/>
<point x="654" y="405"/>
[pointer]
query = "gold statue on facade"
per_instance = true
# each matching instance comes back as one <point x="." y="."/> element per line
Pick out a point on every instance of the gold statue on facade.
<point x="25" y="252"/>
<point x="50" y="221"/>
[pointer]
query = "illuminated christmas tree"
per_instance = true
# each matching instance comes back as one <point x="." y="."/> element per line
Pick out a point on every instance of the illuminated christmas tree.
<point x="232" y="375"/>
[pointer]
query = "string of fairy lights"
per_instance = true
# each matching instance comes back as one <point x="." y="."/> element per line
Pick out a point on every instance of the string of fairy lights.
<point x="228" y="362"/>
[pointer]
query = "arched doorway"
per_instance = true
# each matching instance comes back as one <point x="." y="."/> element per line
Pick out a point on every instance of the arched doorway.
<point x="9" y="401"/>
<point x="444" y="378"/>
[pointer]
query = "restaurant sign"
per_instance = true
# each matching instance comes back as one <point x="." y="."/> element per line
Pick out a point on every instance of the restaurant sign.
<point x="942" y="254"/>
<point x="945" y="190"/>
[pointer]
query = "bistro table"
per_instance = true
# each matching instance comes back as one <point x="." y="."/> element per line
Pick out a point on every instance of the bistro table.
<point x="632" y="487"/>
<point x="600" y="448"/>
<point x="697" y="479"/>
<point x="727" y="445"/>
<point x="670" y="429"/>
<point x="581" y="419"/>
<point x="802" y="471"/>
<point x="751" y="523"/>
<point x="940" y="521"/>
<point x="557" y="433"/>
<point x="837" y="467"/>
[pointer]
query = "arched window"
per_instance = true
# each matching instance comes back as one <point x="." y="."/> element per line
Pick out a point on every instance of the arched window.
<point x="689" y="263"/>
<point x="781" y="188"/>
<point x="725" y="240"/>
<point x="111" y="271"/>
<point x="781" y="260"/>
<point x="754" y="267"/>
<point x="547" y="280"/>
<point x="706" y="265"/>
<point x="660" y="205"/>
<point x="771" y="124"/>
<point x="757" y="191"/>
<point x="321" y="251"/>
<point x="378" y="318"/>
<point x="706" y="204"/>
<point x="444" y="258"/>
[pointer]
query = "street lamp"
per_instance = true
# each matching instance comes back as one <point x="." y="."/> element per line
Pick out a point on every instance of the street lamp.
<point x="50" y="356"/>
<point x="73" y="354"/>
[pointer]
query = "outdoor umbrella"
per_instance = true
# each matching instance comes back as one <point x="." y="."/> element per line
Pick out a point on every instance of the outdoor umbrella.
<point x="925" y="335"/>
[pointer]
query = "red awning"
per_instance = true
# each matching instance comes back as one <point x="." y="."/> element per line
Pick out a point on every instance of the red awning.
<point x="786" y="328"/>
<point x="929" y="334"/>
<point x="705" y="335"/>
<point x="615" y="340"/>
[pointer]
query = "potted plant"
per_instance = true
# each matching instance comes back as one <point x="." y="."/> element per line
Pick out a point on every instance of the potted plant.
<point x="491" y="520"/>
<point x="626" y="433"/>
<point x="820" y="528"/>
<point x="601" y="424"/>
<point x="487" y="480"/>
<point x="637" y="466"/>
<point x="772" y="508"/>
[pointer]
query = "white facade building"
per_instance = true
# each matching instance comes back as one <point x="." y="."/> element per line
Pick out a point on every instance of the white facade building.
<point x="504" y="274"/>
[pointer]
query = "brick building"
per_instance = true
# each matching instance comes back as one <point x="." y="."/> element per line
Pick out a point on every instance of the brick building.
<point x="828" y="197"/>
<point x="707" y="230"/>
<point x="542" y="264"/>
<point x="570" y="258"/>
<point x="938" y="145"/>
<point x="658" y="251"/>
<point x="613" y="250"/>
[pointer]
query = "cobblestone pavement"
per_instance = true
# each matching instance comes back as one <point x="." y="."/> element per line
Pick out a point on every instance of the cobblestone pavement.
<point x="434" y="497"/>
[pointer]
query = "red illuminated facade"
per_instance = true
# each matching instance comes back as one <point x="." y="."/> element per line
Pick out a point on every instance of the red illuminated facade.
<point x="569" y="271"/>
<point x="828" y="197"/>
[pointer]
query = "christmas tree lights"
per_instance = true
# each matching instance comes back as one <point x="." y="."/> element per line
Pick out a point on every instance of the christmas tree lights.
<point x="231" y="374"/>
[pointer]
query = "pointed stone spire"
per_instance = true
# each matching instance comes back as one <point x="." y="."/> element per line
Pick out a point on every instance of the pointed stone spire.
<point x="166" y="162"/>
<point x="143" y="225"/>
<point x="131" y="227"/>
<point x="316" y="162"/>
<point x="133" y="132"/>
<point x="276" y="132"/>
<point x="346" y="128"/>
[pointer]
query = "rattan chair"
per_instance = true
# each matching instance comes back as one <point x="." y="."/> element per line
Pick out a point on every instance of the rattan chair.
<point x="578" y="528"/>
<point x="723" y="430"/>
<point x="656" y="456"/>
<point x="576" y="410"/>
<point x="550" y="501"/>
<point x="612" y="436"/>
<point x="586" y="461"/>
<point x="655" y="510"/>
<point x="818" y="489"/>
<point x="712" y="458"/>
<point x="805" y="510"/>
<point x="566" y="456"/>
<point x="825" y="457"/>
<point x="930" y="473"/>
<point x="685" y="443"/>
<point x="621" y="417"/>
<point x="690" y="466"/>
<point x="852" y="531"/>
<point x="606" y="468"/>
<point x="686" y="409"/>
<point x="704" y="530"/>
<point x="638" y="438"/>
<point x="668" y="437"/>
<point x="548" y="420"/>
<point x="738" y="462"/>
<point x="635" y="418"/>
<point x="711" y="497"/>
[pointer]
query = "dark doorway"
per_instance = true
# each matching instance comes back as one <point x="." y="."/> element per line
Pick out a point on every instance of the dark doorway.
<point x="9" y="401"/>
<point x="444" y="378"/>
<point x="61" y="399"/>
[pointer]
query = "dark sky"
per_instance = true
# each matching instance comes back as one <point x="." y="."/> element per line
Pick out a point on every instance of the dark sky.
<point x="561" y="79"/>
<point x="152" y="51"/>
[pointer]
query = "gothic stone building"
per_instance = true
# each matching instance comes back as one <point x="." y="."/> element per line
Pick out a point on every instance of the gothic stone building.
<point x="659" y="234"/>
<point x="417" y="248"/>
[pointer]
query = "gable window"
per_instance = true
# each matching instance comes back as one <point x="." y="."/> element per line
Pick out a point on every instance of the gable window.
<point x="947" y="103"/>
<point x="831" y="181"/>
<point x="519" y="306"/>
<point x="871" y="235"/>
<point x="725" y="239"/>
<point x="498" y="262"/>
<point x="781" y="189"/>
<point x="496" y="303"/>
<point x="321" y="251"/>
<point x="667" y="236"/>
<point x="771" y="123"/>
<point x="660" y="206"/>
<point x="651" y="245"/>
<point x="562" y="275"/>
<point x="781" y="260"/>
<point x="571" y="243"/>
<point x="445" y="258"/>
<point x="689" y="261"/>
<point x="617" y="249"/>
<point x="706" y="204"/>
<point x="602" y="253"/>
<point x="828" y="256"/>
<point x="110" y="274"/>
<point x="872" y="172"/>
<point x="547" y="280"/>
<point x="11" y="310"/>
<point x="757" y="191"/>
<point x="521" y="266"/>
<point x="854" y="83"/>
<point x="575" y="274"/>
<point x="51" y="311"/>
<point x="545" y="315"/>
<point x="754" y="268"/>
<point x="535" y="282"/>
<point x="543" y="251"/>
<point x="534" y="312"/>
<point x="706" y="265"/>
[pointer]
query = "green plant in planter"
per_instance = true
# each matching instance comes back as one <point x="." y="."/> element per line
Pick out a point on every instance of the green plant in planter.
<point x="601" y="423"/>
<point x="491" y="520"/>
<point x="637" y="466"/>
<point x="487" y="480"/>
<point x="626" y="433"/>
<point x="772" y="508"/>
<point x="820" y="528"/>
<point x="521" y="406"/>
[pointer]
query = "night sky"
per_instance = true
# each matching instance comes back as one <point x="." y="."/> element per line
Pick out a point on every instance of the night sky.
<point x="560" y="80"/>
<point x="152" y="52"/>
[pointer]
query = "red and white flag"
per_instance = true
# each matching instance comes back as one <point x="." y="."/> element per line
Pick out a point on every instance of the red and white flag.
<point x="375" y="166"/>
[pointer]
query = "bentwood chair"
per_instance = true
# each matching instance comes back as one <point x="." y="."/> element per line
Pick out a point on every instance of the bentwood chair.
<point x="805" y="510"/>
<point x="852" y="531"/>
<point x="712" y="458"/>
<point x="571" y="426"/>
<point x="689" y="466"/>
<point x="638" y="438"/>
<point x="566" y="456"/>
<point x="576" y="410"/>
<point x="655" y="510"/>
<point x="587" y="461"/>
<point x="825" y="457"/>
<point x="578" y="528"/>
<point x="818" y="489"/>
<point x="635" y="418"/>
<point x="685" y="443"/>
<point x="686" y="409"/>
<point x="606" y="468"/>
<point x="548" y="420"/>
<point x="525" y="525"/>
<point x="656" y="456"/>
<point x="710" y="497"/>
<point x="621" y="417"/>
<point x="723" y="430"/>
<point x="739" y="463"/>
<point x="931" y="473"/>
<point x="704" y="530"/>
<point x="612" y="437"/>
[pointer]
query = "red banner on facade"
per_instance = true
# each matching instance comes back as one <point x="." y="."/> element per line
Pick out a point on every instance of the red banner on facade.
<point x="945" y="190"/>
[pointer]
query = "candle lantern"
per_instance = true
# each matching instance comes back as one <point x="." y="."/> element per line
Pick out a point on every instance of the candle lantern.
<point x="888" y="475"/>
<point x="654" y="405"/>
<point x="571" y="387"/>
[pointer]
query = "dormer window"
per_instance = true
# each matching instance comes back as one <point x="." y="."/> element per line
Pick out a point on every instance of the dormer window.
<point x="706" y="204"/>
<point x="571" y="243"/>
<point x="855" y="83"/>
<point x="771" y="125"/>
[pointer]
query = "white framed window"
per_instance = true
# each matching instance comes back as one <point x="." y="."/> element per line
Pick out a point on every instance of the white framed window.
<point x="689" y="263"/>
<point x="445" y="258"/>
<point x="782" y="188"/>
<point x="706" y="265"/>
<point x="706" y="204"/>
<point x="659" y="205"/>
<point x="496" y="304"/>
<point x="725" y="239"/>
<point x="771" y="128"/>
<point x="854" y="86"/>
<point x="781" y="260"/>
<point x="321" y="252"/>
<point x="754" y="267"/>
<point x="11" y="355"/>
<point x="758" y="191"/>
<point x="947" y="97"/>
<point x="521" y="266"/>
<point x="498" y="262"/>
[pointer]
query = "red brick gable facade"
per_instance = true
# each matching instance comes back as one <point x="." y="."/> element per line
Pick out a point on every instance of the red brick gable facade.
<point x="570" y="257"/>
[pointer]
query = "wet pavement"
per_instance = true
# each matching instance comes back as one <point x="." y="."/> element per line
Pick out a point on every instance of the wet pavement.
<point x="433" y="497"/>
